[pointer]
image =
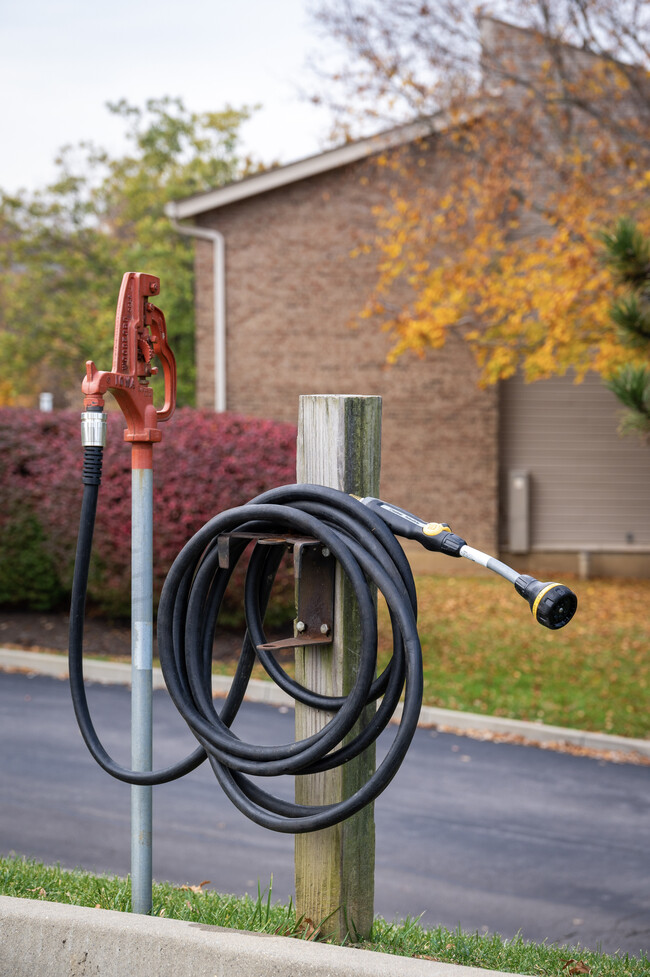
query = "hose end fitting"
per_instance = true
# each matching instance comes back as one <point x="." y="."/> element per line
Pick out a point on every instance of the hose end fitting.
<point x="93" y="441"/>
<point x="93" y="428"/>
<point x="552" y="604"/>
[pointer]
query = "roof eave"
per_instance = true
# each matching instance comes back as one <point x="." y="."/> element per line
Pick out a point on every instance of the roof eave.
<point x="302" y="169"/>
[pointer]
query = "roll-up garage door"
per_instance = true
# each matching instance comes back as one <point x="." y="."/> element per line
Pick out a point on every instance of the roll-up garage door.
<point x="568" y="479"/>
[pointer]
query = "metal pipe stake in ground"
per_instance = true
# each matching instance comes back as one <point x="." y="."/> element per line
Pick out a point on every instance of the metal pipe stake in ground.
<point x="140" y="335"/>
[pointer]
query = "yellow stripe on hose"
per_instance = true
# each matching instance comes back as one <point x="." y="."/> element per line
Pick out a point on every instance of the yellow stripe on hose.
<point x="540" y="595"/>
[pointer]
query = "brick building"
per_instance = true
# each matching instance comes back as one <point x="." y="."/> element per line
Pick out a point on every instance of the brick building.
<point x="537" y="470"/>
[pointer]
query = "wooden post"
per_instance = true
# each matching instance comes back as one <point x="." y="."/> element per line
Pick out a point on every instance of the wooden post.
<point x="339" y="445"/>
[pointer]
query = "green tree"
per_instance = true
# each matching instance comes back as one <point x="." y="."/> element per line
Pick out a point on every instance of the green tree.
<point x="628" y="255"/>
<point x="64" y="248"/>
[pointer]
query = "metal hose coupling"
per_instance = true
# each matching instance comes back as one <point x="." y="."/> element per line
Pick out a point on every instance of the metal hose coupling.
<point x="93" y="428"/>
<point x="93" y="441"/>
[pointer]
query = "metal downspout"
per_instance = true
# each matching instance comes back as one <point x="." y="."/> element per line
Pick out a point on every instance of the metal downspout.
<point x="218" y="299"/>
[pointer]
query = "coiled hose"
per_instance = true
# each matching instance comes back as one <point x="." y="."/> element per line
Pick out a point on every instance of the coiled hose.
<point x="367" y="551"/>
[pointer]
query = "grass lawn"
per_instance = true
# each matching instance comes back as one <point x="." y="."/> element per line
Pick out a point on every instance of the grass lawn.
<point x="31" y="880"/>
<point x="484" y="653"/>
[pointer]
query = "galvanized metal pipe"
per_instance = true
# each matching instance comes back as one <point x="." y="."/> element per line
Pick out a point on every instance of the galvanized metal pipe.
<point x="141" y="677"/>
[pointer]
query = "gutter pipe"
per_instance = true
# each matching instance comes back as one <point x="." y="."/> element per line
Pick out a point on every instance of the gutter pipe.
<point x="218" y="298"/>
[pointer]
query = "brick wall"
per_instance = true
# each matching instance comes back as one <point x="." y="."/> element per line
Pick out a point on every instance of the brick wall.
<point x="292" y="294"/>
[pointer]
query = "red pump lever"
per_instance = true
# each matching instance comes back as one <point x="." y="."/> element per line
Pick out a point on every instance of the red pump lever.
<point x="140" y="334"/>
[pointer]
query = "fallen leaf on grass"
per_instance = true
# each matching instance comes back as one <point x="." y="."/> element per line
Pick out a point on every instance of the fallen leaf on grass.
<point x="196" y="888"/>
<point x="576" y="967"/>
<point x="307" y="929"/>
<point x="304" y="929"/>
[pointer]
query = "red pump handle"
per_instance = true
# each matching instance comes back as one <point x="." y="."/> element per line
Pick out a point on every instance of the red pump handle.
<point x="140" y="334"/>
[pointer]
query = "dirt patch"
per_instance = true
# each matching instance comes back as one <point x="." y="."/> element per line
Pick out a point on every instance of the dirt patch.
<point x="49" y="632"/>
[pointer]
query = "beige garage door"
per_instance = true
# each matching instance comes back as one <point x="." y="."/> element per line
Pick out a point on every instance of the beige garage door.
<point x="568" y="480"/>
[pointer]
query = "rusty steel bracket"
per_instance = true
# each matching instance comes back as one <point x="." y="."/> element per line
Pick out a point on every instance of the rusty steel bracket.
<point x="264" y="539"/>
<point x="314" y="571"/>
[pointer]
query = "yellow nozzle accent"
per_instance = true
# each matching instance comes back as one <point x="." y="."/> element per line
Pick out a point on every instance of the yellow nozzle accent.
<point x="541" y="594"/>
<point x="435" y="528"/>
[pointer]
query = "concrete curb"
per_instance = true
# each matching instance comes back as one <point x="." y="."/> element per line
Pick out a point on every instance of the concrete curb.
<point x="48" y="939"/>
<point x="527" y="733"/>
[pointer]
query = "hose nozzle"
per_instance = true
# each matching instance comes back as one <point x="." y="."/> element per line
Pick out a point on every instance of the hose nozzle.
<point x="552" y="604"/>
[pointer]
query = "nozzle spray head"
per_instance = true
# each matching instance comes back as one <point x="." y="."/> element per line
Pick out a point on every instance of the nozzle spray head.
<point x="552" y="604"/>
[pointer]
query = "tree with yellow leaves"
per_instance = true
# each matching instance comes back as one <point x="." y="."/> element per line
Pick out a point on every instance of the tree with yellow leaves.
<point x="540" y="132"/>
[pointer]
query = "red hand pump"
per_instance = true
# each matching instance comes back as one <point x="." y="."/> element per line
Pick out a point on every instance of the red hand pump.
<point x="140" y="335"/>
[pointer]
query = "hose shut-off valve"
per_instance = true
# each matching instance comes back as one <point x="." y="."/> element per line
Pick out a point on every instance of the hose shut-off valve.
<point x="552" y="604"/>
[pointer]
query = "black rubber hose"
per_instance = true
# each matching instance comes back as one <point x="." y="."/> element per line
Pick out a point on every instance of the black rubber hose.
<point x="368" y="554"/>
<point x="91" y="478"/>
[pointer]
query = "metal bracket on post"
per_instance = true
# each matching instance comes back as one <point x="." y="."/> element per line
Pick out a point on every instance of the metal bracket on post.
<point x="314" y="572"/>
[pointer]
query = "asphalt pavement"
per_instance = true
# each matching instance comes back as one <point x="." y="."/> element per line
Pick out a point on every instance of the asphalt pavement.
<point x="492" y="836"/>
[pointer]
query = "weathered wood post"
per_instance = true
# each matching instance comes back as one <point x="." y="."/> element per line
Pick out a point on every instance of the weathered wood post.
<point x="339" y="445"/>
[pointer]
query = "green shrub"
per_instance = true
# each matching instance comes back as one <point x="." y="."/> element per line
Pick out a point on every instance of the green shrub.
<point x="28" y="576"/>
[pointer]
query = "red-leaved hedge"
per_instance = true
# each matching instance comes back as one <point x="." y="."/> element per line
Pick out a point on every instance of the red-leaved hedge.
<point x="205" y="463"/>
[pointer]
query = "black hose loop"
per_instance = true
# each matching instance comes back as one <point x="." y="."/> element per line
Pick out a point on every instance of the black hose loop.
<point x="369" y="555"/>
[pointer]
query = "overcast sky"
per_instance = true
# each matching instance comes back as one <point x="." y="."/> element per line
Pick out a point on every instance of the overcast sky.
<point x="62" y="60"/>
